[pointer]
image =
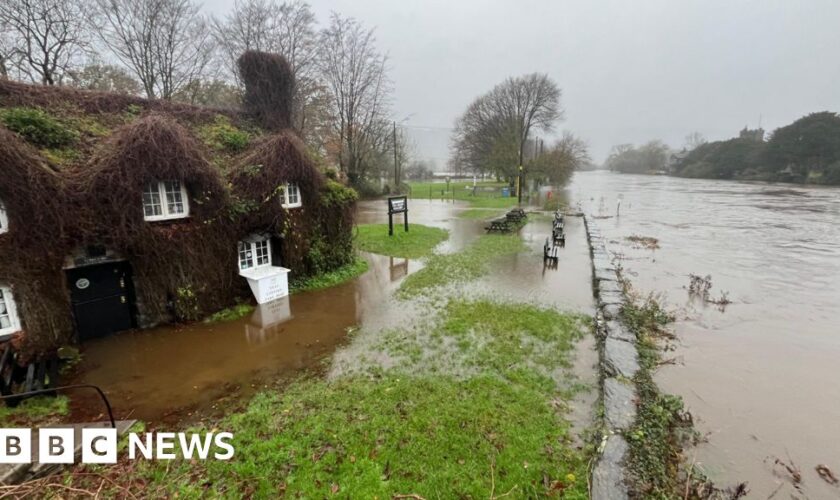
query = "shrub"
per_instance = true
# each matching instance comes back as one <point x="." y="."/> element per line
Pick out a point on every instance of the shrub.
<point x="336" y="194"/>
<point x="223" y="136"/>
<point x="38" y="127"/>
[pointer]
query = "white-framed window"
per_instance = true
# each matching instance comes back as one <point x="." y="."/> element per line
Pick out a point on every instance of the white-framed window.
<point x="165" y="200"/>
<point x="4" y="219"/>
<point x="291" y="196"/>
<point x="254" y="254"/>
<point x="9" y="322"/>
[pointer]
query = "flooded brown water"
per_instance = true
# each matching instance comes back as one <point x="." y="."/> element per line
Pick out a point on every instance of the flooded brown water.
<point x="760" y="378"/>
<point x="184" y="373"/>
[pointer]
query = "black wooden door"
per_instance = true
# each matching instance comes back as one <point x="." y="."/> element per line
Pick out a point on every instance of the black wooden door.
<point x="102" y="296"/>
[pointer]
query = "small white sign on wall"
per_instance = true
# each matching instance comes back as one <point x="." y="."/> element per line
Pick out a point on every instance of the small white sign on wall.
<point x="267" y="283"/>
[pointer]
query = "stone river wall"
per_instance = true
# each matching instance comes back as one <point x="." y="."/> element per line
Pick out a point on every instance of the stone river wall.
<point x="619" y="364"/>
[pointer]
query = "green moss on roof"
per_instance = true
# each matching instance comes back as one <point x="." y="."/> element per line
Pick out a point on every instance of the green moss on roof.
<point x="67" y="125"/>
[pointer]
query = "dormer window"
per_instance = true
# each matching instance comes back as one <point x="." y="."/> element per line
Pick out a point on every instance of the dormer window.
<point x="254" y="253"/>
<point x="165" y="200"/>
<point x="291" y="196"/>
<point x="9" y="322"/>
<point x="4" y="219"/>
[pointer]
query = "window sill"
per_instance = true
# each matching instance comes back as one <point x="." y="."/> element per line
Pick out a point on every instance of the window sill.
<point x="292" y="205"/>
<point x="166" y="218"/>
<point x="8" y="333"/>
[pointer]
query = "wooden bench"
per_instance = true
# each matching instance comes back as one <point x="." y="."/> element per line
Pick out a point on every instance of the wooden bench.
<point x="558" y="236"/>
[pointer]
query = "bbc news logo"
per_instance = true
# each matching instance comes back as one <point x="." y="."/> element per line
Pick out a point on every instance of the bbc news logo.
<point x="99" y="446"/>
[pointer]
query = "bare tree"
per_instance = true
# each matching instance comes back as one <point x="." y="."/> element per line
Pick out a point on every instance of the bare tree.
<point x="493" y="132"/>
<point x="355" y="74"/>
<point x="42" y="39"/>
<point x="248" y="26"/>
<point x="557" y="163"/>
<point x="693" y="140"/>
<point x="286" y="28"/>
<point x="165" y="43"/>
<point x="530" y="102"/>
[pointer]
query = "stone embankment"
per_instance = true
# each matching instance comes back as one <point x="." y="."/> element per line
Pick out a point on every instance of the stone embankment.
<point x="619" y="364"/>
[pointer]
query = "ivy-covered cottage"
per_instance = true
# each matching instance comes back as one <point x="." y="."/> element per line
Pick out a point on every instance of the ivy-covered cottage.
<point x="118" y="212"/>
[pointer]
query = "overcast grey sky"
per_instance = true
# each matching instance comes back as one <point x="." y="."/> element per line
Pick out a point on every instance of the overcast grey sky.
<point x="630" y="70"/>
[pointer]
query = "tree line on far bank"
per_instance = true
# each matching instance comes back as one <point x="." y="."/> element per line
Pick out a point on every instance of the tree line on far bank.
<point x="806" y="151"/>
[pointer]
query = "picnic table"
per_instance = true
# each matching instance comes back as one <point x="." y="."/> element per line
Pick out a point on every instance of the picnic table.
<point x="501" y="225"/>
<point x="515" y="215"/>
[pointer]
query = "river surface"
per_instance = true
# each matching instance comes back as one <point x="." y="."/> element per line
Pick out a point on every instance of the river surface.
<point x="760" y="376"/>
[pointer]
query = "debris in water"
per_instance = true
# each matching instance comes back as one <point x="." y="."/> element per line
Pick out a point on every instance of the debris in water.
<point x="827" y="475"/>
<point x="791" y="468"/>
<point x="701" y="286"/>
<point x="647" y="242"/>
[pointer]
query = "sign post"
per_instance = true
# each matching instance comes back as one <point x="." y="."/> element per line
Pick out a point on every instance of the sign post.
<point x="397" y="205"/>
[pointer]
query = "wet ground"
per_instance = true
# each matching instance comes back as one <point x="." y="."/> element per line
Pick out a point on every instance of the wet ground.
<point x="184" y="373"/>
<point x="760" y="377"/>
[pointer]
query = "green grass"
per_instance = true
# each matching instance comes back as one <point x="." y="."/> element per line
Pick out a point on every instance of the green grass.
<point x="417" y="243"/>
<point x="230" y="313"/>
<point x="441" y="433"/>
<point x="457" y="190"/>
<point x="473" y="262"/>
<point x="480" y="213"/>
<point x="332" y="278"/>
<point x="34" y="412"/>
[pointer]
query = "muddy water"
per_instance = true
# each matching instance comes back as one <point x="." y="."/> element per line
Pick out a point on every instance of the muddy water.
<point x="759" y="377"/>
<point x="181" y="372"/>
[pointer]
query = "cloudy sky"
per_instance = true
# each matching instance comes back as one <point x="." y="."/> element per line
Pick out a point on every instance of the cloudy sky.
<point x="630" y="70"/>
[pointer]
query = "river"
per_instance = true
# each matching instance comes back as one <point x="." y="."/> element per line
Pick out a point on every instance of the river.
<point x="759" y="376"/>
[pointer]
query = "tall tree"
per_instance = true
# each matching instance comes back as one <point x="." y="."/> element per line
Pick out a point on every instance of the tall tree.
<point x="493" y="131"/>
<point x="42" y="39"/>
<point x="165" y="43"/>
<point x="355" y="74"/>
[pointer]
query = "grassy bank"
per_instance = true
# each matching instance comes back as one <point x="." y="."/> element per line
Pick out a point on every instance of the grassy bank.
<point x="418" y="242"/>
<point x="485" y="420"/>
<point x="480" y="213"/>
<point x="331" y="278"/>
<point x="474" y="261"/>
<point x="488" y="194"/>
